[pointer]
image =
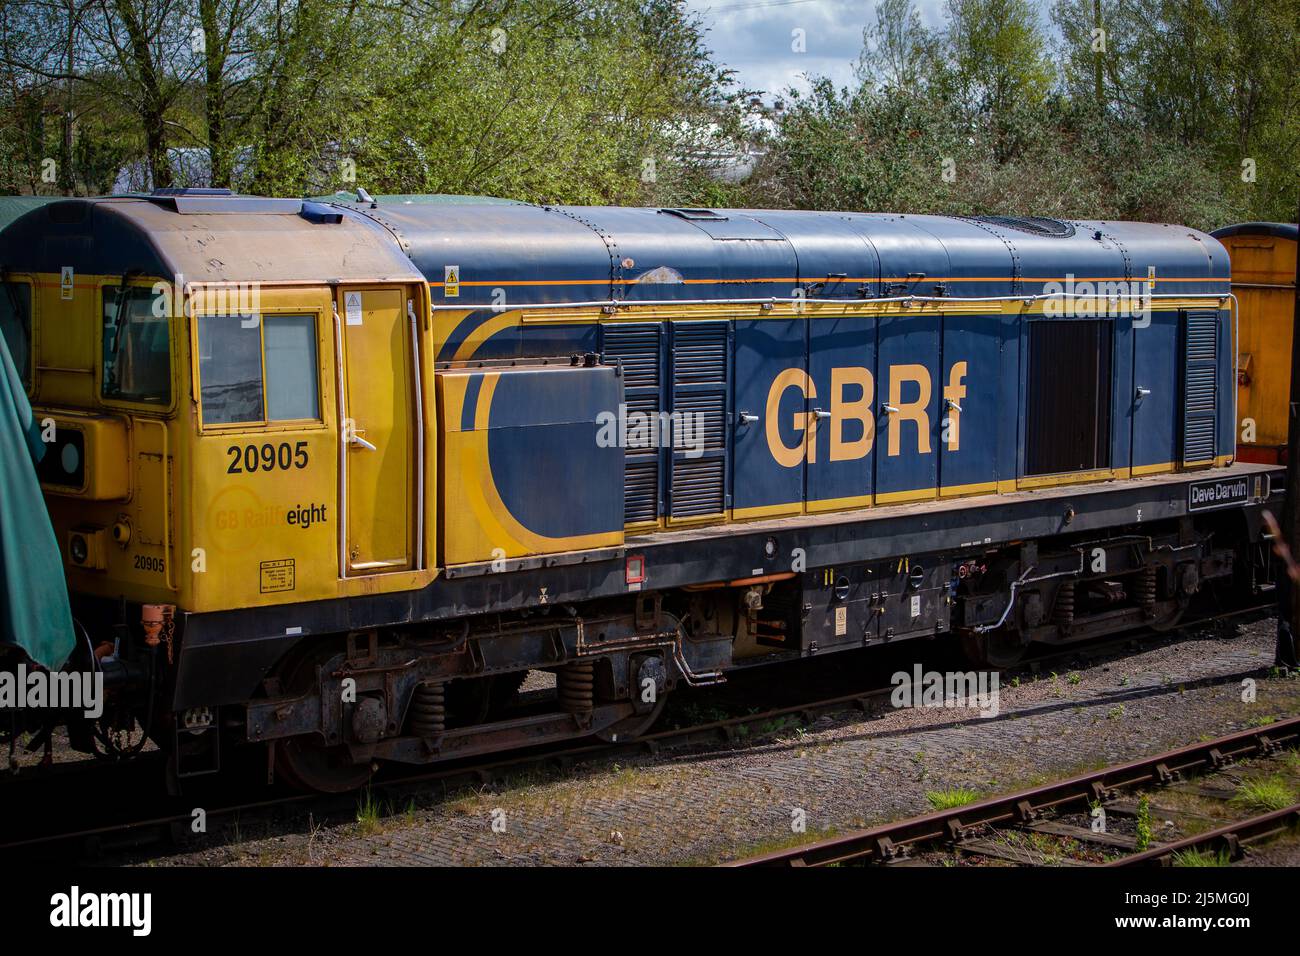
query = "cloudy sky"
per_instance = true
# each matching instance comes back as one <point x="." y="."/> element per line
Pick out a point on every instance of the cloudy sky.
<point x="754" y="37"/>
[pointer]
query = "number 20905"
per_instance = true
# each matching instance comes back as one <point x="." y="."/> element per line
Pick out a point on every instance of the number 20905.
<point x="268" y="457"/>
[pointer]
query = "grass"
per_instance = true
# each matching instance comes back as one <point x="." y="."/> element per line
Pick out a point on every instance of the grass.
<point x="1201" y="858"/>
<point x="950" y="797"/>
<point x="1269" y="793"/>
<point x="369" y="812"/>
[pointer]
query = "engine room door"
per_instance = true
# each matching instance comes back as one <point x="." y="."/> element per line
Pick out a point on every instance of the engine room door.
<point x="376" y="433"/>
<point x="770" y="421"/>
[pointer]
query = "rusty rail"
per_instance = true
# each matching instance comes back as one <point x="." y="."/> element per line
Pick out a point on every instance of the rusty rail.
<point x="892" y="841"/>
<point x="1229" y="838"/>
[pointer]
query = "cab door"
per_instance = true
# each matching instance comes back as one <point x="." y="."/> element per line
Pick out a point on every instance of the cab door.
<point x="377" y="431"/>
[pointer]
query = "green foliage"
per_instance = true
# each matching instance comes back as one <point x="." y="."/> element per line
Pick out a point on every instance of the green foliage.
<point x="1144" y="832"/>
<point x="559" y="100"/>
<point x="1188" y="90"/>
<point x="951" y="797"/>
<point x="1183" y="111"/>
<point x="1269" y="793"/>
<point x="1201" y="858"/>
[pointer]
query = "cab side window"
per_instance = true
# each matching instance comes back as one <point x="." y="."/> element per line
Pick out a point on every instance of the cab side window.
<point x="257" y="368"/>
<point x="137" y="348"/>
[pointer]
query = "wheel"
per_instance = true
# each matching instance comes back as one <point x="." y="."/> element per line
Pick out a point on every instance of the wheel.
<point x="996" y="650"/>
<point x="307" y="762"/>
<point x="1170" y="621"/>
<point x="630" y="728"/>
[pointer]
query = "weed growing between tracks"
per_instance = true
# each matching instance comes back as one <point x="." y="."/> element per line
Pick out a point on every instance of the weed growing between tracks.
<point x="951" y="797"/>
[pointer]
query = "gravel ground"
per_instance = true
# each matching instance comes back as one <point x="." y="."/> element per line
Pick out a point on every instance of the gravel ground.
<point x="842" y="772"/>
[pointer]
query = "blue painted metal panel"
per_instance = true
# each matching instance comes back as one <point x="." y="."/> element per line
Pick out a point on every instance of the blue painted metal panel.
<point x="1156" y="360"/>
<point x="835" y="260"/>
<point x="765" y="349"/>
<point x="972" y="435"/>
<point x="842" y="366"/>
<point x="1048" y="263"/>
<point x="912" y="260"/>
<point x="980" y="263"/>
<point x="532" y="254"/>
<point x="1009" y="429"/>
<point x="908" y="378"/>
<point x="543" y="448"/>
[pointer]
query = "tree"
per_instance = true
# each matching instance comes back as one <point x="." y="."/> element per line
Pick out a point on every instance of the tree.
<point x="898" y="51"/>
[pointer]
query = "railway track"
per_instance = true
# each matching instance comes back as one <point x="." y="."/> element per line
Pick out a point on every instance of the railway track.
<point x="1015" y="827"/>
<point x="158" y="822"/>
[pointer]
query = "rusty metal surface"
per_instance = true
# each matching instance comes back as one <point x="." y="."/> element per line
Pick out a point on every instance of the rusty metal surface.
<point x="1229" y="838"/>
<point x="893" y="840"/>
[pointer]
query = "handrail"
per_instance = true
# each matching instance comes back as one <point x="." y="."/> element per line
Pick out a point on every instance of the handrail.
<point x="166" y="502"/>
<point x="418" y="385"/>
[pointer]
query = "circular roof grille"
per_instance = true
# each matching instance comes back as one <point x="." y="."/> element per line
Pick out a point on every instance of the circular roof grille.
<point x="1038" y="225"/>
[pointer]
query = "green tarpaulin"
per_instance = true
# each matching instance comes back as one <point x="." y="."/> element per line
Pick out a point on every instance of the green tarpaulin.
<point x="34" y="612"/>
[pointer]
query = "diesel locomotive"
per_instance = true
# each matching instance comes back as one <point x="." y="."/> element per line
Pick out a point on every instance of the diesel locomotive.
<point x="343" y="471"/>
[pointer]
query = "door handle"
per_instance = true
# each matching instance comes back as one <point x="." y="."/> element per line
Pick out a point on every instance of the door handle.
<point x="745" y="418"/>
<point x="953" y="405"/>
<point x="1142" y="393"/>
<point x="889" y="409"/>
<point x="355" y="439"/>
<point x="819" y="414"/>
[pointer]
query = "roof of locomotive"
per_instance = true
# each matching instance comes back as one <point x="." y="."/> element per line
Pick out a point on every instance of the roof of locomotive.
<point x="521" y="254"/>
<point x="205" y="236"/>
<point x="1280" y="230"/>
<point x="554" y="254"/>
<point x="13" y="207"/>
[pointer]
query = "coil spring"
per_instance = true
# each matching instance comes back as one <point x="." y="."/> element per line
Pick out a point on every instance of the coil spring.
<point x="1146" y="588"/>
<point x="429" y="710"/>
<point x="575" y="684"/>
<point x="1063" y="610"/>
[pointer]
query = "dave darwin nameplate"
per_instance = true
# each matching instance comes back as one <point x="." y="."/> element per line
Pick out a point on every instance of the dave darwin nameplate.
<point x="1203" y="495"/>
